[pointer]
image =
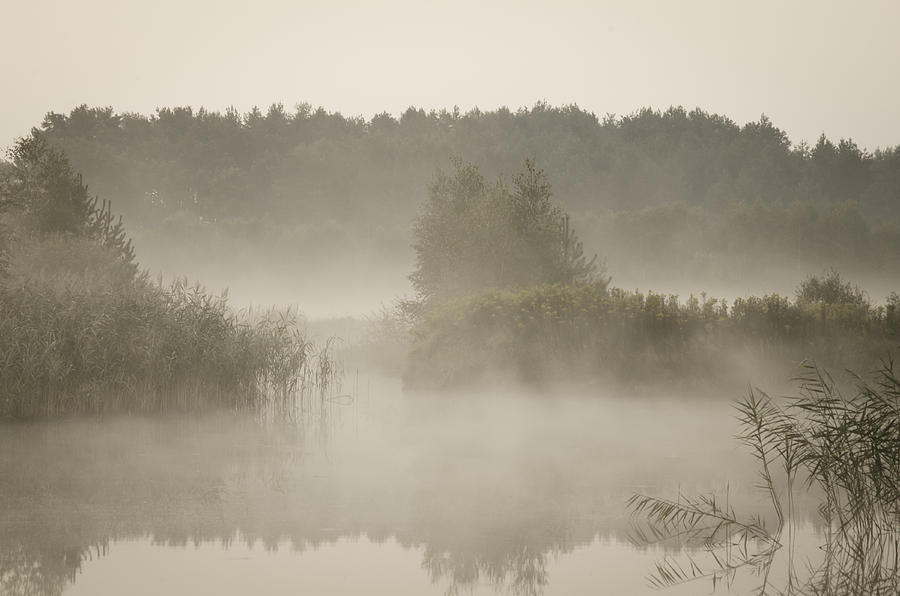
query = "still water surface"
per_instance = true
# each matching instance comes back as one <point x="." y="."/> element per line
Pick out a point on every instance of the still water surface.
<point x="393" y="494"/>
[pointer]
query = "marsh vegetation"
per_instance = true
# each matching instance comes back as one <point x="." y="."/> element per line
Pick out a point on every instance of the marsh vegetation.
<point x="83" y="331"/>
<point x="845" y="451"/>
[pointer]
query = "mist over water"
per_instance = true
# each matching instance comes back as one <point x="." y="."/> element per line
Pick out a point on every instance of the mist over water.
<point x="498" y="490"/>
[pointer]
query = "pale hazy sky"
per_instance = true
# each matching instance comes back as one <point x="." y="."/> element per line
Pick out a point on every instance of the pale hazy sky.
<point x="810" y="66"/>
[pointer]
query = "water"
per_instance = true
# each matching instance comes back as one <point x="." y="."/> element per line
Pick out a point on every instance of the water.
<point x="490" y="493"/>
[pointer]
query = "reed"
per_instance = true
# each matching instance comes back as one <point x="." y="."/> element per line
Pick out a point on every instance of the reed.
<point x="74" y="345"/>
<point x="845" y="449"/>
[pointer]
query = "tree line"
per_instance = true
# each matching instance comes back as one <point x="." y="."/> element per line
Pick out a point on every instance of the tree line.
<point x="316" y="163"/>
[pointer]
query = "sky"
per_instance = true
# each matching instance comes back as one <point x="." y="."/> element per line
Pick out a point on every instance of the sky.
<point x="811" y="66"/>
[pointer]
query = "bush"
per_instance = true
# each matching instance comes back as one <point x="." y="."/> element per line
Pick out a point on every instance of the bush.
<point x="829" y="289"/>
<point x="557" y="332"/>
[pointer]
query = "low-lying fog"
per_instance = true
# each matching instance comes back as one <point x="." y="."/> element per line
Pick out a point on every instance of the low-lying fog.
<point x="391" y="494"/>
<point x="329" y="281"/>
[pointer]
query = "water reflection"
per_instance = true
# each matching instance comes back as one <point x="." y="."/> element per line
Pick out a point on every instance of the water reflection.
<point x="480" y="504"/>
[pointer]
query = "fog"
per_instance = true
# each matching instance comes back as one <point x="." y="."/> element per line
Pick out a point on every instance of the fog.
<point x="487" y="491"/>
<point x="333" y="354"/>
<point x="400" y="298"/>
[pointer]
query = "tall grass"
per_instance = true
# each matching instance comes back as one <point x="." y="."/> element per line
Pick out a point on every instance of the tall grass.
<point x="847" y="450"/>
<point x="76" y="345"/>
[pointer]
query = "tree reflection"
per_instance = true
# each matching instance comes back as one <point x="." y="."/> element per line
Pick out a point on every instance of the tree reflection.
<point x="65" y="499"/>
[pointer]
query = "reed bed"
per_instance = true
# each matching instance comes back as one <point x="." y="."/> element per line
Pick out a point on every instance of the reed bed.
<point x="75" y="345"/>
<point x="847" y="450"/>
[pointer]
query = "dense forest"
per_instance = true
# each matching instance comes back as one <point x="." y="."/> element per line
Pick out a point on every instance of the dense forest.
<point x="313" y="162"/>
<point x="669" y="199"/>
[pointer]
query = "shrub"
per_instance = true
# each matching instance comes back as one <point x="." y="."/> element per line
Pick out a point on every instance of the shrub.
<point x="569" y="331"/>
<point x="830" y="288"/>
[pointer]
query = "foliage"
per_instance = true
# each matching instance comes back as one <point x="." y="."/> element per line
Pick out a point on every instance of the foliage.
<point x="308" y="160"/>
<point x="471" y="235"/>
<point x="741" y="244"/>
<point x="848" y="451"/>
<point x="75" y="344"/>
<point x="570" y="331"/>
<point x="4" y="249"/>
<point x="44" y="190"/>
<point x="81" y="331"/>
<point x="829" y="289"/>
<point x="664" y="196"/>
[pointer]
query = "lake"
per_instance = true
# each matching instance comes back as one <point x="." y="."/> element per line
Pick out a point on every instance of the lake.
<point x="490" y="492"/>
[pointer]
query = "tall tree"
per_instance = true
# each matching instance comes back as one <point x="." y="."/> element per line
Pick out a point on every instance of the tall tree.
<point x="472" y="235"/>
<point x="50" y="197"/>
